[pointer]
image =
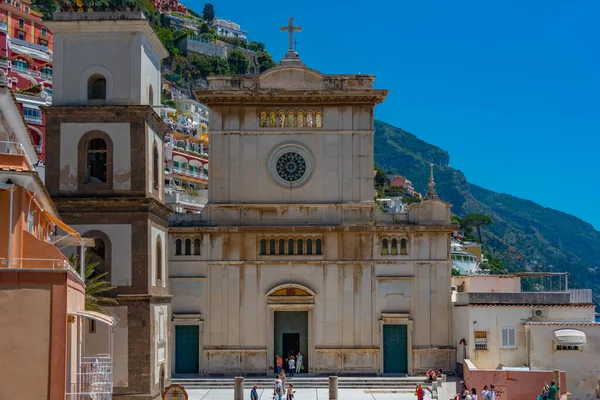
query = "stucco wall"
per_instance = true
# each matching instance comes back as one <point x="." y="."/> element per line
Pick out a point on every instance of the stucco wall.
<point x="125" y="59"/>
<point x="25" y="344"/>
<point x="121" y="243"/>
<point x="342" y="152"/>
<point x="350" y="298"/>
<point x="582" y="366"/>
<point x="488" y="283"/>
<point x="492" y="320"/>
<point x="119" y="134"/>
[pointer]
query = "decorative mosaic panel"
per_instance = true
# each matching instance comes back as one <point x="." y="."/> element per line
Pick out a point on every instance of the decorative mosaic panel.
<point x="291" y="119"/>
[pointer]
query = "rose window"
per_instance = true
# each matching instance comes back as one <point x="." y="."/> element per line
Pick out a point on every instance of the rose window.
<point x="291" y="167"/>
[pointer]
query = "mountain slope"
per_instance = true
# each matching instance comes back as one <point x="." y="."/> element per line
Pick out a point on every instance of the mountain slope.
<point x="524" y="235"/>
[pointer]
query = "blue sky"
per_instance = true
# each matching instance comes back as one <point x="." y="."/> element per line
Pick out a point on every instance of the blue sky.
<point x="511" y="89"/>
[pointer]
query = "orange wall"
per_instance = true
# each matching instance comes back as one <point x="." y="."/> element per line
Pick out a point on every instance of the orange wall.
<point x="33" y="334"/>
<point x="516" y="385"/>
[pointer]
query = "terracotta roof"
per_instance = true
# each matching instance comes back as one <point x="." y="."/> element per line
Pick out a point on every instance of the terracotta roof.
<point x="565" y="323"/>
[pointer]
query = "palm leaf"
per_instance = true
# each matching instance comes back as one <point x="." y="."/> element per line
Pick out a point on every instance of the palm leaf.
<point x="95" y="286"/>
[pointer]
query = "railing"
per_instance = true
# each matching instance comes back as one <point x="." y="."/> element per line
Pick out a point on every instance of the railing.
<point x="188" y="172"/>
<point x="33" y="119"/>
<point x="49" y="263"/>
<point x="14" y="148"/>
<point x="34" y="46"/>
<point x="46" y="75"/>
<point x="94" y="380"/>
<point x="179" y="197"/>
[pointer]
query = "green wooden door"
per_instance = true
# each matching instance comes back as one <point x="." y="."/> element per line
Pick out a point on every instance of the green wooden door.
<point x="395" y="343"/>
<point x="187" y="341"/>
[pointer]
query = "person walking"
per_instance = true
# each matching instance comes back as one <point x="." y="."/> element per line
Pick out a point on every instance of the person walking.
<point x="298" y="362"/>
<point x="291" y="366"/>
<point x="290" y="392"/>
<point x="419" y="392"/>
<point x="279" y="363"/>
<point x="254" y="393"/>
<point x="484" y="393"/>
<point x="552" y="390"/>
<point x="278" y="390"/>
<point x="492" y="392"/>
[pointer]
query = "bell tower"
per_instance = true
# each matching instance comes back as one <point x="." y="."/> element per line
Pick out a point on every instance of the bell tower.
<point x="105" y="170"/>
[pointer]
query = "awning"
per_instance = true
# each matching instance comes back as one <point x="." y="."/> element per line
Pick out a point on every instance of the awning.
<point x="62" y="225"/>
<point x="569" y="337"/>
<point x="105" y="319"/>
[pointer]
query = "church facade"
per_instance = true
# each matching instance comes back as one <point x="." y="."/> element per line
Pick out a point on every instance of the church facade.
<point x="292" y="253"/>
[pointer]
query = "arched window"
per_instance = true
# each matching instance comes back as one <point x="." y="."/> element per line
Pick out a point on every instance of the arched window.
<point x="178" y="247"/>
<point x="188" y="247"/>
<point x="308" y="246"/>
<point x="158" y="260"/>
<point x="272" y="247"/>
<point x="156" y="169"/>
<point x="318" y="249"/>
<point x="300" y="246"/>
<point x="196" y="247"/>
<point x="291" y="247"/>
<point x="100" y="255"/>
<point x="263" y="247"/>
<point x="150" y="95"/>
<point x="403" y="247"/>
<point x="384" y="247"/>
<point x="281" y="247"/>
<point x="394" y="246"/>
<point x="96" y="161"/>
<point x="96" y="87"/>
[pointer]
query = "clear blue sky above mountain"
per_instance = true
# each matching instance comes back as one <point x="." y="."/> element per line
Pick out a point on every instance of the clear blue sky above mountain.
<point x="510" y="88"/>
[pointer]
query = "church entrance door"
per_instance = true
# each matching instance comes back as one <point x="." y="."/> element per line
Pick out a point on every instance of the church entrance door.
<point x="395" y="344"/>
<point x="291" y="335"/>
<point x="187" y="349"/>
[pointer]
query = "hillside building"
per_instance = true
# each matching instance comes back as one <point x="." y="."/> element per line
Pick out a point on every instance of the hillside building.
<point x="105" y="173"/>
<point x="400" y="181"/>
<point x="42" y="295"/>
<point x="186" y="156"/>
<point x="287" y="243"/>
<point x="26" y="64"/>
<point x="228" y="28"/>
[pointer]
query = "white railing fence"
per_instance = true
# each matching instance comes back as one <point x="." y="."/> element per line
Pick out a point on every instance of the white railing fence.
<point x="94" y="381"/>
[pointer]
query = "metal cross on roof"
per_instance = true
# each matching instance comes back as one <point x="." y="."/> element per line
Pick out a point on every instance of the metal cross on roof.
<point x="290" y="28"/>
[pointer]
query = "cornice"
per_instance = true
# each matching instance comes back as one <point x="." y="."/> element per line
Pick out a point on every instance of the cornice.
<point x="278" y="98"/>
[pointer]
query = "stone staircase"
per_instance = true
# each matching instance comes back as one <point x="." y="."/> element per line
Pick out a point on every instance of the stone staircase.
<point x="383" y="384"/>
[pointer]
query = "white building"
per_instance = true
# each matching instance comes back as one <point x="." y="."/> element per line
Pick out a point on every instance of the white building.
<point x="499" y="326"/>
<point x="228" y="28"/>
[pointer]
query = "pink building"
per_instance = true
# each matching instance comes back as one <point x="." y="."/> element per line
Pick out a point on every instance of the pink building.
<point x="401" y="181"/>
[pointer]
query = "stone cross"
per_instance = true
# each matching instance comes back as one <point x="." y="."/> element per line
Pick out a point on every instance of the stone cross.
<point x="290" y="28"/>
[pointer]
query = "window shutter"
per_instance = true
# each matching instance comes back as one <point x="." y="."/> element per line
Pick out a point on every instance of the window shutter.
<point x="511" y="337"/>
<point x="504" y="337"/>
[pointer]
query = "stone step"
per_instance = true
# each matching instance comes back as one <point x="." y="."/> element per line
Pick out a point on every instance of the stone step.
<point x="405" y="383"/>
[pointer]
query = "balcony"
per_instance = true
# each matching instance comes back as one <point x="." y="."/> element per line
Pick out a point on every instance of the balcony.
<point x="13" y="154"/>
<point x="182" y="198"/>
<point x="30" y="45"/>
<point x="190" y="173"/>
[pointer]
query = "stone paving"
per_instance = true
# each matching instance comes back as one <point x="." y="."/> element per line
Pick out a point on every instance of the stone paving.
<point x="305" y="394"/>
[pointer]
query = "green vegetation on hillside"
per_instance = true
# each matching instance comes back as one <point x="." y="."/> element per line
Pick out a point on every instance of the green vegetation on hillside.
<point x="524" y="236"/>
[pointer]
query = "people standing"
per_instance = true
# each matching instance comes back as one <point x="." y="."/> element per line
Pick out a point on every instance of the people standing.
<point x="279" y="363"/>
<point x="291" y="366"/>
<point x="473" y="394"/>
<point x="419" y="392"/>
<point x="283" y="378"/>
<point x="298" y="362"/>
<point x="254" y="393"/>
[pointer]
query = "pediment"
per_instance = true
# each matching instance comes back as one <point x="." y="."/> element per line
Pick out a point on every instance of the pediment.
<point x="291" y="78"/>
